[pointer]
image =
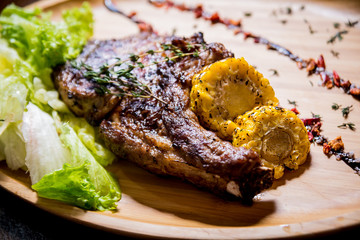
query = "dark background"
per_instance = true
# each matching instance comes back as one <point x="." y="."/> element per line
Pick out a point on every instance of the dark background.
<point x="4" y="3"/>
<point x="24" y="221"/>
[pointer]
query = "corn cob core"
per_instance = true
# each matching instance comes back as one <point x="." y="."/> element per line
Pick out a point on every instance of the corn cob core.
<point x="226" y="89"/>
<point x="276" y="134"/>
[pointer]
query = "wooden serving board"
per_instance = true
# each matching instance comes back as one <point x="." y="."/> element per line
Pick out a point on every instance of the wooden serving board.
<point x="322" y="196"/>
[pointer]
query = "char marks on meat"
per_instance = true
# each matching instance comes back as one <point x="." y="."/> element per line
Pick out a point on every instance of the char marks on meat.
<point x="164" y="137"/>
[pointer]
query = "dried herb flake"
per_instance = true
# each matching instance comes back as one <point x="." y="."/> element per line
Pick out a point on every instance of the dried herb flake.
<point x="349" y="125"/>
<point x="292" y="103"/>
<point x="338" y="35"/>
<point x="335" y="106"/>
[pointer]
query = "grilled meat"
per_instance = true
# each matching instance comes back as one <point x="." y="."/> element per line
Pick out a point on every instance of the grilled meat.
<point x="163" y="136"/>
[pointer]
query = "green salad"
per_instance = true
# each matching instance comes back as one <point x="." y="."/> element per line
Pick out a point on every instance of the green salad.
<point x="38" y="133"/>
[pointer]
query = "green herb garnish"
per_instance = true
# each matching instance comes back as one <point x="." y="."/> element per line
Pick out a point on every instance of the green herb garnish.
<point x="346" y="110"/>
<point x="338" y="35"/>
<point x="334" y="53"/>
<point x="292" y="103"/>
<point x="247" y="14"/>
<point x="315" y="115"/>
<point x="349" y="125"/>
<point x="274" y="72"/>
<point x="119" y="79"/>
<point x="351" y="24"/>
<point x="335" y="106"/>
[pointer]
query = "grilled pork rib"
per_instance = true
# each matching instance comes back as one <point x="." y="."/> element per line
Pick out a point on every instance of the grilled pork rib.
<point x="163" y="136"/>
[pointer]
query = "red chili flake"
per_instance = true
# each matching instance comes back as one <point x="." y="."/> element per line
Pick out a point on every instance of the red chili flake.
<point x="355" y="91"/>
<point x="329" y="84"/>
<point x="237" y="31"/>
<point x="295" y="111"/>
<point x="311" y="66"/>
<point x="247" y="35"/>
<point x="145" y="27"/>
<point x="321" y="62"/>
<point x="236" y="23"/>
<point x="215" y="18"/>
<point x="336" y="78"/>
<point x="345" y="84"/>
<point x="198" y="11"/>
<point x="326" y="148"/>
<point x="310" y="121"/>
<point x="310" y="136"/>
<point x="315" y="130"/>
<point x="325" y="79"/>
<point x="181" y="7"/>
<point x="132" y="14"/>
<point x="159" y="4"/>
<point x="270" y="47"/>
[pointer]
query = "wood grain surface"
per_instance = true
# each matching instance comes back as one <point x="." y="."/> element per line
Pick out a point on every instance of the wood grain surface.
<point x="322" y="196"/>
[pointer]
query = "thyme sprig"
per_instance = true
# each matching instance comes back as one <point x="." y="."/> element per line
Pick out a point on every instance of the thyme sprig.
<point x="292" y="103"/>
<point x="351" y="23"/>
<point x="338" y="35"/>
<point x="345" y="111"/>
<point x="119" y="79"/>
<point x="349" y="125"/>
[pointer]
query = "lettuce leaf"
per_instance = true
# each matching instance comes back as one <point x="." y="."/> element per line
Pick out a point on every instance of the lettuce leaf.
<point x="89" y="138"/>
<point x="13" y="91"/>
<point x="62" y="152"/>
<point x="43" y="43"/>
<point x="45" y="152"/>
<point x="13" y="146"/>
<point x="83" y="181"/>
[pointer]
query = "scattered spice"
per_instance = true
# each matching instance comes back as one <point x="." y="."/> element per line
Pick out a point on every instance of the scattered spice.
<point x="338" y="35"/>
<point x="288" y="10"/>
<point x="336" y="25"/>
<point x="335" y="106"/>
<point x="349" y="125"/>
<point x="292" y="103"/>
<point x="309" y="27"/>
<point x="274" y="72"/>
<point x="351" y="23"/>
<point x="315" y="115"/>
<point x="334" y="147"/>
<point x="247" y="14"/>
<point x="143" y="26"/>
<point x="334" y="53"/>
<point x="346" y="110"/>
<point x="337" y="144"/>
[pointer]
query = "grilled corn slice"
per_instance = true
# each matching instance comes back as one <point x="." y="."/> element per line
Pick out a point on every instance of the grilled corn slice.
<point x="276" y="134"/>
<point x="224" y="90"/>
